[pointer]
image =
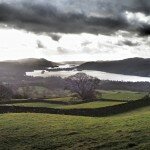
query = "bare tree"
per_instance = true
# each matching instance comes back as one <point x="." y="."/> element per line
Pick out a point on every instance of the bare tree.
<point x="83" y="85"/>
<point x="5" y="93"/>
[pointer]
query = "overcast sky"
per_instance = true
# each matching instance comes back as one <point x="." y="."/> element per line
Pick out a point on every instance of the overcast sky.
<point x="81" y="30"/>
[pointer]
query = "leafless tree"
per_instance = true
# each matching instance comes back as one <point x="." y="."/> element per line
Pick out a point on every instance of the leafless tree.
<point x="83" y="84"/>
<point x="5" y="93"/>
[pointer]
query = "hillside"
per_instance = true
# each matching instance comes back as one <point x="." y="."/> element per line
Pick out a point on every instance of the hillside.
<point x="131" y="66"/>
<point x="40" y="126"/>
<point x="24" y="65"/>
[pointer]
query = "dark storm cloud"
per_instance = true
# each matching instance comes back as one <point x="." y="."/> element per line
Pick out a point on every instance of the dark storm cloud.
<point x="144" y="30"/>
<point x="141" y="6"/>
<point x="48" y="19"/>
<point x="70" y="16"/>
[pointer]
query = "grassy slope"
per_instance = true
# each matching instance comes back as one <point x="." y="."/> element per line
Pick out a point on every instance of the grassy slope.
<point x="42" y="131"/>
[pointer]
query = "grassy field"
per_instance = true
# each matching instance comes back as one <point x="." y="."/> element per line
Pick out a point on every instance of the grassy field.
<point x="63" y="99"/>
<point x="31" y="131"/>
<point x="76" y="106"/>
<point x="91" y="105"/>
<point x="122" y="95"/>
<point x="37" y="104"/>
<point x="113" y="95"/>
<point x="46" y="132"/>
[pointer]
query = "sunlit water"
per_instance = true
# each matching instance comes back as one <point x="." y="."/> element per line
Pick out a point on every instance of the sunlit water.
<point x="99" y="74"/>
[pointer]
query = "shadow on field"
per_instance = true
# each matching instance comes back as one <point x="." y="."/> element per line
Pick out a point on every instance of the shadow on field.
<point x="96" y="112"/>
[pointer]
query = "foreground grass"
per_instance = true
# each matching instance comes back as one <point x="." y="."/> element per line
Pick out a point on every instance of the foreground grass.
<point x="46" y="132"/>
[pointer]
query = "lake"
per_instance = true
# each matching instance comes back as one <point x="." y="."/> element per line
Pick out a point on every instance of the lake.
<point x="99" y="74"/>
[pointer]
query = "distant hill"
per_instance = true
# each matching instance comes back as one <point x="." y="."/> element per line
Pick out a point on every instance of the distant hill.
<point x="26" y="64"/>
<point x="131" y="66"/>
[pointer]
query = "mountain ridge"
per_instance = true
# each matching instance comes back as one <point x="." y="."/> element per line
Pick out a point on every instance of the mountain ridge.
<point x="131" y="66"/>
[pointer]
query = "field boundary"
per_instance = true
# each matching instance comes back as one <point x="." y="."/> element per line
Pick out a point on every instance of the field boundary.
<point x="58" y="102"/>
<point x="33" y="101"/>
<point x="96" y="112"/>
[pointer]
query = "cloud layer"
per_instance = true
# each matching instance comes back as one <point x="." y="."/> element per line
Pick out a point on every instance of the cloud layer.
<point x="62" y="30"/>
<point x="72" y="47"/>
<point x="77" y="16"/>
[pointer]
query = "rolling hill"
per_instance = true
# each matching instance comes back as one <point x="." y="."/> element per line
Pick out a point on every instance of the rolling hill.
<point x="26" y="64"/>
<point x="131" y="66"/>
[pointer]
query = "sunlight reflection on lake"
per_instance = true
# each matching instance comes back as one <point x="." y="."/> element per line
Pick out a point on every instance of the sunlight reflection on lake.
<point x="99" y="74"/>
